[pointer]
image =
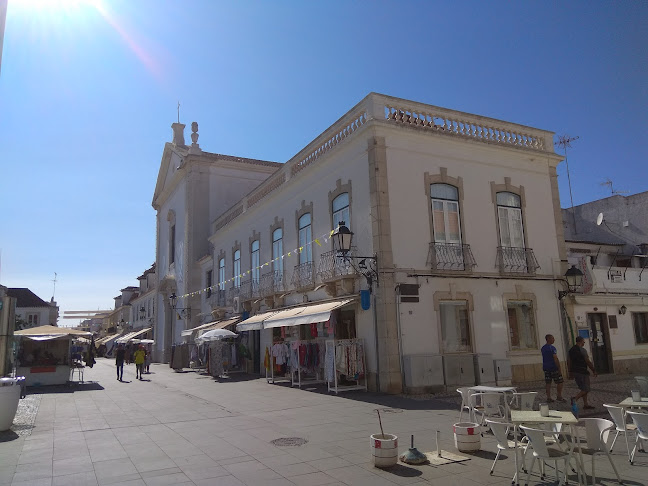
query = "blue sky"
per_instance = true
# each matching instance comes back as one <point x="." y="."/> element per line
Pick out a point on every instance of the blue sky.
<point x="89" y="88"/>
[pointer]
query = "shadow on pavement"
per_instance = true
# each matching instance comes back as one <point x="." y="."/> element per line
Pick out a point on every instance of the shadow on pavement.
<point x="71" y="387"/>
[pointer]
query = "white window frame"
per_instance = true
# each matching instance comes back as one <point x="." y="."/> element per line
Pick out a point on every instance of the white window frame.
<point x="237" y="269"/>
<point x="305" y="237"/>
<point x="636" y="317"/>
<point x="277" y="250"/>
<point x="340" y="209"/>
<point x="446" y="209"/>
<point x="33" y="318"/>
<point x="255" y="259"/>
<point x="456" y="347"/>
<point x="509" y="215"/>
<point x="221" y="274"/>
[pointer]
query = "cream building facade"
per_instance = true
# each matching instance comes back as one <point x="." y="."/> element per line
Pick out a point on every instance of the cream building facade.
<point x="462" y="214"/>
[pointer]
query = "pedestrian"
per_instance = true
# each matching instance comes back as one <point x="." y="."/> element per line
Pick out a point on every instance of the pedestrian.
<point x="128" y="353"/>
<point x="119" y="361"/>
<point x="147" y="360"/>
<point x="139" y="362"/>
<point x="551" y="368"/>
<point x="577" y="363"/>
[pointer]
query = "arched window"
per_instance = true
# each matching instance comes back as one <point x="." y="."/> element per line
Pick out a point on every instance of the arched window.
<point x="237" y="269"/>
<point x="255" y="261"/>
<point x="445" y="213"/>
<point x="509" y="212"/>
<point x="221" y="274"/>
<point x="305" y="237"/>
<point x="340" y="207"/>
<point x="277" y="250"/>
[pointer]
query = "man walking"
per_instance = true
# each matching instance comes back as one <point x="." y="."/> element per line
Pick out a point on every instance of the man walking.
<point x="120" y="355"/>
<point x="551" y="368"/>
<point x="139" y="362"/>
<point x="577" y="363"/>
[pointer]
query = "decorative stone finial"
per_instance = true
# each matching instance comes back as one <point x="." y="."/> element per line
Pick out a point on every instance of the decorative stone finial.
<point x="195" y="148"/>
<point x="178" y="133"/>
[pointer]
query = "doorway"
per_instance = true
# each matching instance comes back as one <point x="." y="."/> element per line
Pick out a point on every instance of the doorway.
<point x="600" y="336"/>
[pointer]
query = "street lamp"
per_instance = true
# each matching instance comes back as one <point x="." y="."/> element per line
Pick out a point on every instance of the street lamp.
<point x="183" y="312"/>
<point x="367" y="266"/>
<point x="574" y="279"/>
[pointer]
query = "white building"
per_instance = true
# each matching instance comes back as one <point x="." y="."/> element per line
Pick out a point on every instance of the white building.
<point x="143" y="305"/>
<point x="461" y="212"/>
<point x="31" y="310"/>
<point x="611" y="310"/>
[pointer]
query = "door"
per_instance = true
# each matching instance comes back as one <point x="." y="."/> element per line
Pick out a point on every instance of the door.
<point x="599" y="340"/>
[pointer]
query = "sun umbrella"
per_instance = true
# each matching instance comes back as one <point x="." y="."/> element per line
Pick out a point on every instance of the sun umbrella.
<point x="216" y="334"/>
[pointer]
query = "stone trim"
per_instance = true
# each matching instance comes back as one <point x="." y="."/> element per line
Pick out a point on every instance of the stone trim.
<point x="339" y="190"/>
<point x="443" y="178"/>
<point x="305" y="208"/>
<point x="171" y="216"/>
<point x="519" y="190"/>
<point x="452" y="295"/>
<point x="520" y="294"/>
<point x="558" y="220"/>
<point x="255" y="236"/>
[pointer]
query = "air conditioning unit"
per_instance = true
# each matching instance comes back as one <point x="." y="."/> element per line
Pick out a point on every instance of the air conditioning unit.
<point x="617" y="278"/>
<point x="236" y="303"/>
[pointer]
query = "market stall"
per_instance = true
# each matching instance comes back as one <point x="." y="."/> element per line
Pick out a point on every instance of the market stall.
<point x="45" y="354"/>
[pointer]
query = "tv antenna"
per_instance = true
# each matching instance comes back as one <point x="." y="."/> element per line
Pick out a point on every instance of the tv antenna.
<point x="54" y="292"/>
<point x="608" y="182"/>
<point x="565" y="141"/>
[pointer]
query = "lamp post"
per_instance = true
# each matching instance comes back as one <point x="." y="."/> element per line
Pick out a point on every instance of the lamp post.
<point x="367" y="265"/>
<point x="181" y="311"/>
<point x="574" y="279"/>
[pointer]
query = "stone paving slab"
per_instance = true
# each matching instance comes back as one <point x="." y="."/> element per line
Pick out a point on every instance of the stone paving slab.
<point x="186" y="428"/>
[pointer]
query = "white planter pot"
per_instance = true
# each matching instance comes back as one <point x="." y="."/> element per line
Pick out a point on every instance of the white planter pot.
<point x="384" y="449"/>
<point x="9" y="398"/>
<point x="467" y="436"/>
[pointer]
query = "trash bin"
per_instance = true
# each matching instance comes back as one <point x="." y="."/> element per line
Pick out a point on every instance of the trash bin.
<point x="467" y="436"/>
<point x="10" y="392"/>
<point x="384" y="449"/>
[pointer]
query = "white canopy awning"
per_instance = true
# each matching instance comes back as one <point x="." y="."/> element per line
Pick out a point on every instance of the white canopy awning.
<point x="131" y="335"/>
<point x="307" y="314"/>
<point x="44" y="333"/>
<point x="220" y="324"/>
<point x="254" y="323"/>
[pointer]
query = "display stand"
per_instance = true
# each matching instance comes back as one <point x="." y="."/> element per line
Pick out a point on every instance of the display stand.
<point x="270" y="375"/>
<point x="356" y="348"/>
<point x="299" y="374"/>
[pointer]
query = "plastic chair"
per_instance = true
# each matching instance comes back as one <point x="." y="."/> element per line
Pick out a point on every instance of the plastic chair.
<point x="597" y="433"/>
<point x="543" y="453"/>
<point x="465" y="401"/>
<point x="524" y="400"/>
<point x="488" y="405"/>
<point x="501" y="432"/>
<point x="641" y="421"/>
<point x="618" y="417"/>
<point x="642" y="381"/>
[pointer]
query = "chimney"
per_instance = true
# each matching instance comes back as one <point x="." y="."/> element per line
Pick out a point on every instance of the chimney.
<point x="178" y="133"/>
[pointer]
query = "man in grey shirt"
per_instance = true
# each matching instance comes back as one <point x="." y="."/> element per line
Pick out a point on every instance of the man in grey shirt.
<point x="578" y="362"/>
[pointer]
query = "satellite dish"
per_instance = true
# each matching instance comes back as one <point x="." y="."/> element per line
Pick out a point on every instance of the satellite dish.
<point x="599" y="219"/>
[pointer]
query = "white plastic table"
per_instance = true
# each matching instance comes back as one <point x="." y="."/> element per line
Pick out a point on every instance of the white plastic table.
<point x="494" y="389"/>
<point x="630" y="403"/>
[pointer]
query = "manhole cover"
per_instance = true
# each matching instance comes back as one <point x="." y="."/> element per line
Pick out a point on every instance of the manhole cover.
<point x="289" y="442"/>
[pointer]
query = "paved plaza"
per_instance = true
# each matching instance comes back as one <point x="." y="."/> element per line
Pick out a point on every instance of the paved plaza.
<point x="187" y="428"/>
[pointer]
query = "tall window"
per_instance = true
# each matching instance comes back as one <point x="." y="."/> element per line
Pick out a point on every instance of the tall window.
<point x="445" y="213"/>
<point x="341" y="210"/>
<point x="640" y="323"/>
<point x="277" y="250"/>
<point x="237" y="268"/>
<point x="455" y="327"/>
<point x="255" y="259"/>
<point x="305" y="237"/>
<point x="32" y="319"/>
<point x="208" y="281"/>
<point x="509" y="212"/>
<point x="172" y="236"/>
<point x="221" y="274"/>
<point x="522" y="329"/>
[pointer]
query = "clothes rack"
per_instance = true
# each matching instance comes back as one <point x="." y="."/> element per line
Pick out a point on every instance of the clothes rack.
<point x="345" y="357"/>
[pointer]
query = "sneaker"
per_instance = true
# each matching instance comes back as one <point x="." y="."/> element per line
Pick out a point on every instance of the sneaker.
<point x="562" y="400"/>
<point x="550" y="400"/>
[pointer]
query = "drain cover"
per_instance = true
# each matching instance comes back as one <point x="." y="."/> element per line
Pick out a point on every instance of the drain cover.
<point x="289" y="442"/>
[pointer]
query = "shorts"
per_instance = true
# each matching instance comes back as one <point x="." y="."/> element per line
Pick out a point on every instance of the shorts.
<point x="582" y="381"/>
<point x="554" y="375"/>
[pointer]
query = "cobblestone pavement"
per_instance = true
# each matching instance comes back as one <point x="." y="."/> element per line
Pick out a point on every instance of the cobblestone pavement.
<point x="24" y="420"/>
<point x="189" y="429"/>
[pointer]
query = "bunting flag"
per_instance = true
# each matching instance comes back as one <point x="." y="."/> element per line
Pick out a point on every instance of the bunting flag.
<point x="325" y="237"/>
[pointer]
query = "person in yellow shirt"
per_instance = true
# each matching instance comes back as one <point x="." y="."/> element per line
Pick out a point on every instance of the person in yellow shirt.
<point x="139" y="356"/>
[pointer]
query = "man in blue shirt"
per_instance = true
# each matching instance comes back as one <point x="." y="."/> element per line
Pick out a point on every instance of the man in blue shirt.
<point x="551" y="368"/>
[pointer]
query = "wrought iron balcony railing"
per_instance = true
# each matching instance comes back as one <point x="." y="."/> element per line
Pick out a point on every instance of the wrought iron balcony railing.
<point x="217" y="298"/>
<point x="331" y="266"/>
<point x="231" y="293"/>
<point x="451" y="257"/>
<point x="271" y="283"/>
<point x="303" y="276"/>
<point x="249" y="289"/>
<point x="516" y="260"/>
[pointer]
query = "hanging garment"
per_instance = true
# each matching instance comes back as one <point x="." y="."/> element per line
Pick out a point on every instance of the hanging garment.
<point x="266" y="359"/>
<point x="234" y="360"/>
<point x="341" y="359"/>
<point x="279" y="353"/>
<point x="216" y="359"/>
<point x="313" y="330"/>
<point x="329" y="363"/>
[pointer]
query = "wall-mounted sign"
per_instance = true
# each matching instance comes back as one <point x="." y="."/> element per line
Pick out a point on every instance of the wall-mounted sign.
<point x="584" y="333"/>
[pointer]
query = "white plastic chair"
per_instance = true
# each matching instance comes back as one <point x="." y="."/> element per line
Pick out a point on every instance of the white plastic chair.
<point x="524" y="400"/>
<point x="618" y="417"/>
<point x="543" y="453"/>
<point x="465" y="401"/>
<point x="501" y="432"/>
<point x="642" y="381"/>
<point x="641" y="421"/>
<point x="488" y="405"/>
<point x="597" y="433"/>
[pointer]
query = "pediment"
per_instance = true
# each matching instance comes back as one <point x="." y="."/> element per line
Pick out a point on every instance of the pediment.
<point x="172" y="158"/>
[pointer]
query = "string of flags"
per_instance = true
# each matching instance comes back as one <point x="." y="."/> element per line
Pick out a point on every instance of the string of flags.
<point x="318" y="241"/>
